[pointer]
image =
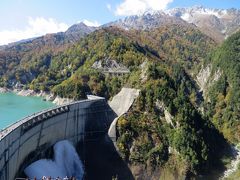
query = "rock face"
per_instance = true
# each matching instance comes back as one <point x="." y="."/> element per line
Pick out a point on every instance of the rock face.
<point x="27" y="92"/>
<point x="110" y="66"/>
<point x="205" y="78"/>
<point x="168" y="117"/>
<point x="46" y="96"/>
<point x="144" y="68"/>
<point x="3" y="90"/>
<point x="60" y="101"/>
<point x="234" y="164"/>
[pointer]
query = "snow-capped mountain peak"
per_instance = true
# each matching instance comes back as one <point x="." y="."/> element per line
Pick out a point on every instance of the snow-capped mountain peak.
<point x="218" y="23"/>
<point x="187" y="13"/>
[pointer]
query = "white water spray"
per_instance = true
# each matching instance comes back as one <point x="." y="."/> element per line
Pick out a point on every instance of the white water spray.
<point x="66" y="163"/>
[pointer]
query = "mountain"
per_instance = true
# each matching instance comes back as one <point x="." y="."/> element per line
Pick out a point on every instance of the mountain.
<point x="38" y="51"/>
<point x="72" y="35"/>
<point x="217" y="23"/>
<point x="148" y="20"/>
<point x="170" y="43"/>
<point x="77" y="31"/>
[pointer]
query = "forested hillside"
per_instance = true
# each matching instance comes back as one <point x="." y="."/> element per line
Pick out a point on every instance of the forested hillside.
<point x="44" y="68"/>
<point x="224" y="95"/>
<point x="165" y="133"/>
<point x="22" y="62"/>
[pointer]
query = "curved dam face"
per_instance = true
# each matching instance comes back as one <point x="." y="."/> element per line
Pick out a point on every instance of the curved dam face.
<point x="74" y="122"/>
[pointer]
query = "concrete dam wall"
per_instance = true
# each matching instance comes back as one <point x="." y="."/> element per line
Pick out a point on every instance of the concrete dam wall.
<point x="76" y="122"/>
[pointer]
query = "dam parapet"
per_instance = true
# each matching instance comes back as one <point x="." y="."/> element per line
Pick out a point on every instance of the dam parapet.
<point x="77" y="121"/>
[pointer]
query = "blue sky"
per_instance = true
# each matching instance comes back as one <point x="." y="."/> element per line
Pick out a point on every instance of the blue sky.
<point x="21" y="19"/>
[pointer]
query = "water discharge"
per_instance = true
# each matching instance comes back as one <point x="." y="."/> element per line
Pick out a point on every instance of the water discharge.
<point x="66" y="163"/>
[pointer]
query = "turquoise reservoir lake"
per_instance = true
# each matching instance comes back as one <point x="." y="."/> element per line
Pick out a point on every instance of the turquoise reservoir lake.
<point x="14" y="107"/>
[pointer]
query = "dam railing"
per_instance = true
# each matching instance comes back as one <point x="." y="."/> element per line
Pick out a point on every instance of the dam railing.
<point x="39" y="117"/>
<point x="48" y="178"/>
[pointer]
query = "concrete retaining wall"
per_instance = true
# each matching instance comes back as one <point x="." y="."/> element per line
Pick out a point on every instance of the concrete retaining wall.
<point x="120" y="104"/>
<point x="74" y="122"/>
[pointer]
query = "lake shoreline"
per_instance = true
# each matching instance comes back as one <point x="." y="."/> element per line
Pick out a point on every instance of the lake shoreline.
<point x="14" y="107"/>
<point x="45" y="95"/>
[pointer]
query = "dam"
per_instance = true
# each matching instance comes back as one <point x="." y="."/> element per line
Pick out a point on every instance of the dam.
<point x="22" y="142"/>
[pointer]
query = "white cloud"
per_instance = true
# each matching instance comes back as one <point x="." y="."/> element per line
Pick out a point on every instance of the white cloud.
<point x="133" y="7"/>
<point x="109" y="7"/>
<point x="91" y="23"/>
<point x="36" y="27"/>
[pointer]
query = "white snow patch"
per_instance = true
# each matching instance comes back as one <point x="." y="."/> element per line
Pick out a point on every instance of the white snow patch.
<point x="224" y="31"/>
<point x="66" y="163"/>
<point x="190" y="14"/>
<point x="209" y="12"/>
<point x="186" y="17"/>
<point x="219" y="13"/>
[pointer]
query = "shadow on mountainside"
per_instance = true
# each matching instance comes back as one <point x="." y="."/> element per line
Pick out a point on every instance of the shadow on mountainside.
<point x="102" y="161"/>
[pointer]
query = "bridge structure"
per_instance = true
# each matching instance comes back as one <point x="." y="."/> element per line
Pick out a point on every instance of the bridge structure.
<point x="24" y="140"/>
